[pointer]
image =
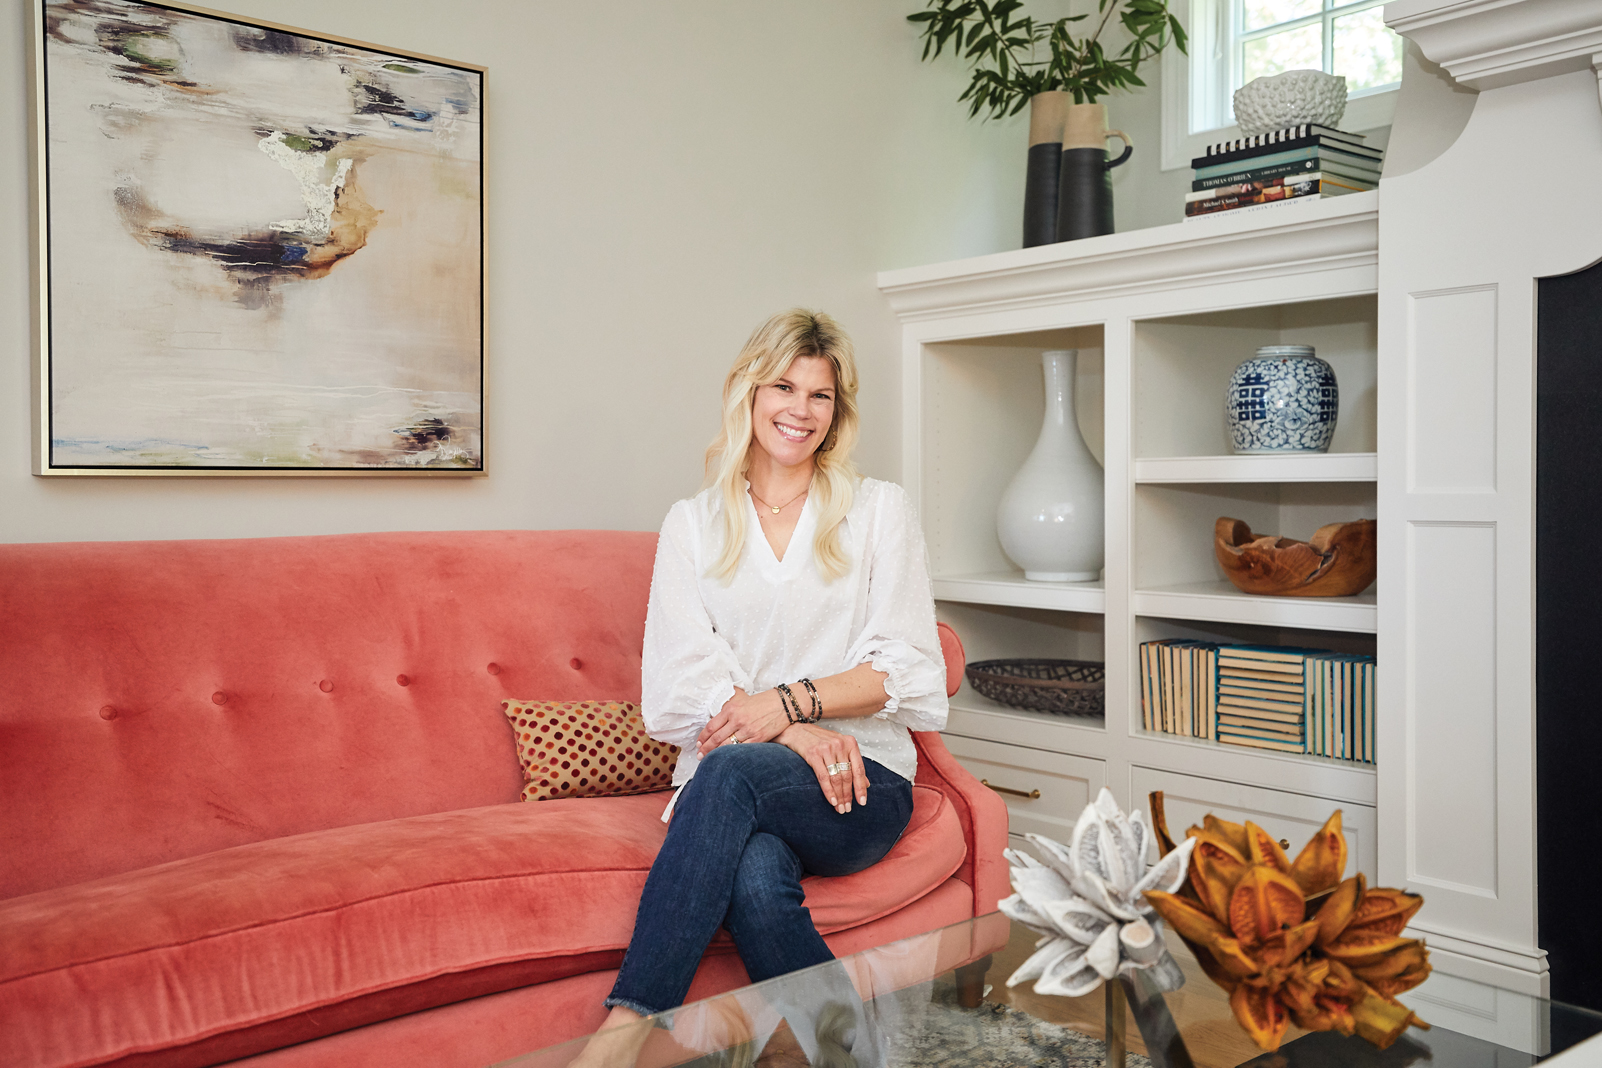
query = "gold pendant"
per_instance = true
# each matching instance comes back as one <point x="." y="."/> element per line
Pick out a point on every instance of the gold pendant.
<point x="775" y="510"/>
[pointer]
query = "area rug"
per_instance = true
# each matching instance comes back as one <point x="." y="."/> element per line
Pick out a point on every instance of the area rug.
<point x="933" y="1030"/>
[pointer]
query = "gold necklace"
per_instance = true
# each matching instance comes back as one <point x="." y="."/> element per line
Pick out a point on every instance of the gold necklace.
<point x="783" y="506"/>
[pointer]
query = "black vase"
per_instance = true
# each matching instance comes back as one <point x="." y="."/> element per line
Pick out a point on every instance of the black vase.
<point x="1047" y="115"/>
<point x="1084" y="193"/>
<point x="1040" y="194"/>
<point x="1084" y="189"/>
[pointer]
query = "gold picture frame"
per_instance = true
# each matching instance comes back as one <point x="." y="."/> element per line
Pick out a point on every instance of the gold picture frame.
<point x="259" y="250"/>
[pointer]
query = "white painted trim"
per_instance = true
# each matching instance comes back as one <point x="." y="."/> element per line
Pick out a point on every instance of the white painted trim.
<point x="1013" y="589"/>
<point x="1221" y="602"/>
<point x="1490" y="950"/>
<point x="1325" y="235"/>
<point x="1487" y="44"/>
<point x="1317" y="467"/>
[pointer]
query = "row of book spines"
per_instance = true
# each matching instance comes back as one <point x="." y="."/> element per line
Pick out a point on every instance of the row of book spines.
<point x="1324" y="156"/>
<point x="1184" y="684"/>
<point x="1178" y="691"/>
<point x="1288" y="181"/>
<point x="1301" y="190"/>
<point x="1283" y="170"/>
<point x="1340" y="708"/>
<point x="1264" y="696"/>
<point x="1310" y="143"/>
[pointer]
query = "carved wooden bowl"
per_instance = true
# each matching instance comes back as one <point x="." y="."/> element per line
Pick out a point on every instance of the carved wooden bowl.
<point x="1337" y="562"/>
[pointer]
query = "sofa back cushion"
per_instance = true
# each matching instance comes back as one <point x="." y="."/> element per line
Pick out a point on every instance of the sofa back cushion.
<point x="166" y="699"/>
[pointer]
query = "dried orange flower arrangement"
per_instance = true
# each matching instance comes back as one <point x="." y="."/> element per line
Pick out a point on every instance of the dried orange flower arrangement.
<point x="1288" y="939"/>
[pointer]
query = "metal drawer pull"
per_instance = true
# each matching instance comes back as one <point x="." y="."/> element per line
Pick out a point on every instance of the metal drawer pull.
<point x="1032" y="795"/>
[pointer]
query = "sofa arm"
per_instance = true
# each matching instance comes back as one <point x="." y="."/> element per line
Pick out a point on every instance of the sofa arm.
<point x="983" y="816"/>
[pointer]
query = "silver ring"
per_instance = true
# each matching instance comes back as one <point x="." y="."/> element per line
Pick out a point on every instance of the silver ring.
<point x="735" y="739"/>
<point x="839" y="769"/>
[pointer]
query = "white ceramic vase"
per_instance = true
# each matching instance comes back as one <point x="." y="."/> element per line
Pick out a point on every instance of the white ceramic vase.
<point x="1050" y="518"/>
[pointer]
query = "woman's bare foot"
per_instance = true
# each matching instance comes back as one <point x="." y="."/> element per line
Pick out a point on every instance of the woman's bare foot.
<point x="617" y="1043"/>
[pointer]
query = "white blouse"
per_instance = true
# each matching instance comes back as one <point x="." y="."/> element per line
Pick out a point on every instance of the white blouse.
<point x="779" y="621"/>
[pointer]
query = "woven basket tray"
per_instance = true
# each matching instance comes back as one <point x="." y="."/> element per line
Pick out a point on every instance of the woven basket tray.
<point x="1067" y="687"/>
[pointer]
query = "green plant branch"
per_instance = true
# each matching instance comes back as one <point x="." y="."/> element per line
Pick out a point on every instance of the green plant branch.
<point x="988" y="36"/>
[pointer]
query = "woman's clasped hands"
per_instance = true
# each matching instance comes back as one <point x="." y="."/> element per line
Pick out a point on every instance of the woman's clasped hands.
<point x="833" y="757"/>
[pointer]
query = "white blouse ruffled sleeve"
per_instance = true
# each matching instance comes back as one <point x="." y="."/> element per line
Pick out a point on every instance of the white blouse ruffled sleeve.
<point x="898" y="636"/>
<point x="688" y="670"/>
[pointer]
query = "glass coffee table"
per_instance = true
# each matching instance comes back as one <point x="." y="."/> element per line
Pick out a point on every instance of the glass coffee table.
<point x="919" y="1003"/>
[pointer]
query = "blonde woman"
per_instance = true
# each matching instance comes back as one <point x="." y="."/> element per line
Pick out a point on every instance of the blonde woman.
<point x="790" y="646"/>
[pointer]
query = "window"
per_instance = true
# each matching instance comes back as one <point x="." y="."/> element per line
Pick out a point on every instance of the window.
<point x="1234" y="41"/>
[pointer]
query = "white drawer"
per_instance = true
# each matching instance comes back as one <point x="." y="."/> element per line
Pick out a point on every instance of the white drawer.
<point x="1288" y="817"/>
<point x="1066" y="783"/>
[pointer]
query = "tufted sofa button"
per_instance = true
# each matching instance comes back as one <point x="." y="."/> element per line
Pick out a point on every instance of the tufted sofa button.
<point x="403" y="680"/>
<point x="107" y="712"/>
<point x="575" y="663"/>
<point x="326" y="686"/>
<point x="493" y="669"/>
<point x="219" y="698"/>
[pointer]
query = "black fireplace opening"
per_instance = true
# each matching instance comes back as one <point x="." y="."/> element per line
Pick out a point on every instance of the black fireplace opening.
<point x="1568" y="629"/>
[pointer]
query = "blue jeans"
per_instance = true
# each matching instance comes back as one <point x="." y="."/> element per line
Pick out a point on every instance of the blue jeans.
<point x="745" y="830"/>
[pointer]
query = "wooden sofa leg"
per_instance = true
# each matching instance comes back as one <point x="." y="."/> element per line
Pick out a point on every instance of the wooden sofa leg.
<point x="971" y="982"/>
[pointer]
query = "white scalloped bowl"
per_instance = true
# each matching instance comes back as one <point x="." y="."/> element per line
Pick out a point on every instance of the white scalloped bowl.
<point x="1290" y="98"/>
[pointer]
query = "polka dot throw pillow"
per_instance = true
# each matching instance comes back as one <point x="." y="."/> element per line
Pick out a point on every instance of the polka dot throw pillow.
<point x="587" y="749"/>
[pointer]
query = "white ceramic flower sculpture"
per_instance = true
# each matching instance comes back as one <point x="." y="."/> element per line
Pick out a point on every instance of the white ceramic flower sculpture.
<point x="1088" y="902"/>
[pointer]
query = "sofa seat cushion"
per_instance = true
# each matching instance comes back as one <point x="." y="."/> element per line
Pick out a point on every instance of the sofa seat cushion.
<point x="256" y="946"/>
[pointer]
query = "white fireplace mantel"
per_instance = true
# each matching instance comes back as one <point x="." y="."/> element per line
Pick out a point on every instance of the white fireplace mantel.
<point x="1487" y="44"/>
<point x="1461" y="251"/>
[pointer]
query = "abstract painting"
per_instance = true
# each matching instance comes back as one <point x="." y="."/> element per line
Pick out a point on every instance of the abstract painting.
<point x="260" y="249"/>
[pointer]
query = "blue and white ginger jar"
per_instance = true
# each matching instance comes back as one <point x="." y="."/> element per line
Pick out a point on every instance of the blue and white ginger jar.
<point x="1284" y="399"/>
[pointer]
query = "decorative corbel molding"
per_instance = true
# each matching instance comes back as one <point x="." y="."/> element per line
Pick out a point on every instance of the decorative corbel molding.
<point x="1487" y="44"/>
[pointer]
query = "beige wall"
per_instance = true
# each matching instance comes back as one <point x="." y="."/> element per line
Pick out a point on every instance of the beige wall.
<point x="661" y="178"/>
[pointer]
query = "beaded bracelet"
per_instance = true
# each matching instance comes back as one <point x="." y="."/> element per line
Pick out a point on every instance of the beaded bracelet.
<point x="792" y="707"/>
<point x="817" y="702"/>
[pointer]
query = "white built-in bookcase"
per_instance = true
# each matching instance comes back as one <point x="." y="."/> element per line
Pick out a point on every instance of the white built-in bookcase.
<point x="1428" y="314"/>
<point x="1161" y="318"/>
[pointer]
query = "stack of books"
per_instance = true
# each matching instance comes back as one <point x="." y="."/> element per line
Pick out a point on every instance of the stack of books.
<point x="1179" y="687"/>
<point x="1262" y="697"/>
<point x="1340" y="707"/>
<point x="1292" y="164"/>
<point x="1266" y="696"/>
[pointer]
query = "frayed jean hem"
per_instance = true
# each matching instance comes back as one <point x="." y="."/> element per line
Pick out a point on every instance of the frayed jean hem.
<point x="615" y="1002"/>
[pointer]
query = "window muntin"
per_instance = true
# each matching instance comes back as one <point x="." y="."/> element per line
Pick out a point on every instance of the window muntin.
<point x="1351" y="39"/>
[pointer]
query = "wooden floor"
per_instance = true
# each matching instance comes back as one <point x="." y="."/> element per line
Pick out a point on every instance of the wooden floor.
<point x="1200" y="1008"/>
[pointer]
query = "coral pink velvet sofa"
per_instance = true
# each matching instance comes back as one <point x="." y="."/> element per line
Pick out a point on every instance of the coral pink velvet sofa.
<point x="258" y="803"/>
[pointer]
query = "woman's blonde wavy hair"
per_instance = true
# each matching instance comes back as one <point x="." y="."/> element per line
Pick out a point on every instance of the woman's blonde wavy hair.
<point x="767" y="355"/>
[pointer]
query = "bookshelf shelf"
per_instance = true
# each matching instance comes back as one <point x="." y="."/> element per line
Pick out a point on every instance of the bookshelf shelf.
<point x="1011" y="588"/>
<point x="976" y="716"/>
<point x="1220" y="602"/>
<point x="1343" y="780"/>
<point x="1323" y="467"/>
